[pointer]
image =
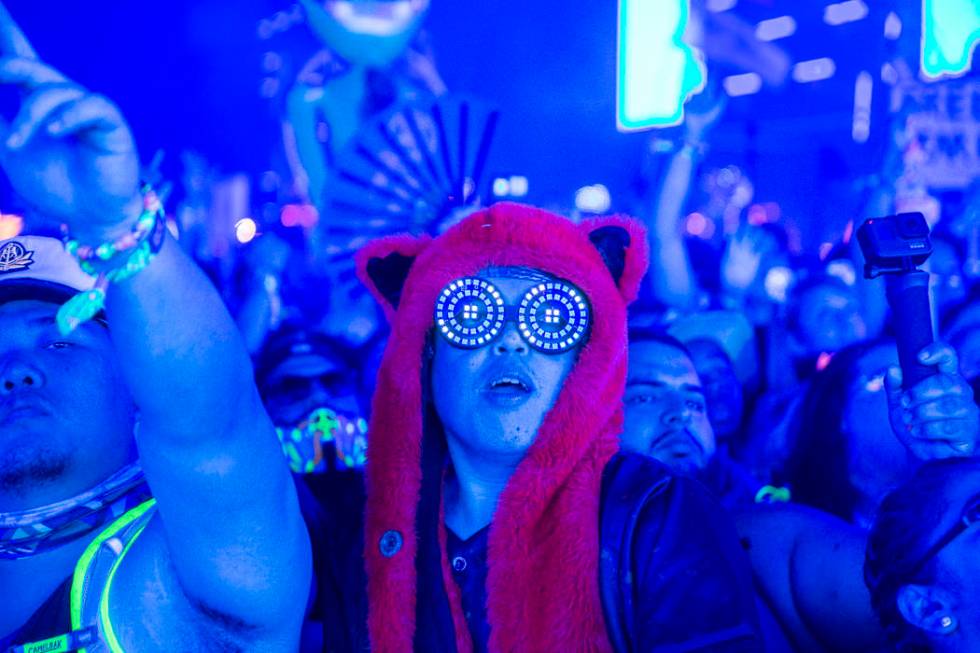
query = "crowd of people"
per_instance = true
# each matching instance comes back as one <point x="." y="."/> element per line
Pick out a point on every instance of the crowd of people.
<point x="537" y="434"/>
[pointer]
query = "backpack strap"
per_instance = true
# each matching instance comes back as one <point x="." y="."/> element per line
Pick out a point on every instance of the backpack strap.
<point x="95" y="571"/>
<point x="629" y="481"/>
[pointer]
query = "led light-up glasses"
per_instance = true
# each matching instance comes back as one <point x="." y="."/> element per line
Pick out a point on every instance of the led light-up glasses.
<point x="552" y="316"/>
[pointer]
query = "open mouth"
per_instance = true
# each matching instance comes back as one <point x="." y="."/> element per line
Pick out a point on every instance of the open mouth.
<point x="375" y="17"/>
<point x="509" y="388"/>
<point x="509" y="384"/>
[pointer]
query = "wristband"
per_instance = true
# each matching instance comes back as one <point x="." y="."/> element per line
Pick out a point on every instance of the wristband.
<point x="686" y="146"/>
<point x="113" y="262"/>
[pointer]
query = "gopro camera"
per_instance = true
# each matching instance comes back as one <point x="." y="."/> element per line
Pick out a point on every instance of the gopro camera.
<point x="895" y="246"/>
<point x="894" y="243"/>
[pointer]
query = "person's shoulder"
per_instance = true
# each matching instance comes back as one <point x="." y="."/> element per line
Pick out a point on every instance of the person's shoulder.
<point x="645" y="498"/>
<point x="642" y="481"/>
<point x="628" y="469"/>
<point x="677" y="553"/>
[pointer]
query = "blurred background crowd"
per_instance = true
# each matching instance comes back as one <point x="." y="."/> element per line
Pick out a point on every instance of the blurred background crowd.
<point x="284" y="136"/>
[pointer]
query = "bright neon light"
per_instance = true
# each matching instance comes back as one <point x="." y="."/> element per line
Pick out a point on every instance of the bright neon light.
<point x="744" y="84"/>
<point x="719" y="6"/>
<point x="10" y="225"/>
<point x="861" y="123"/>
<point x="593" y="199"/>
<point x="775" y="28"/>
<point x="657" y="71"/>
<point x="950" y="32"/>
<point x="844" y="12"/>
<point x="814" y="70"/>
<point x="696" y="224"/>
<point x="298" y="215"/>
<point x="245" y="230"/>
<point x="518" y="186"/>
<point x="889" y="74"/>
<point x="893" y="26"/>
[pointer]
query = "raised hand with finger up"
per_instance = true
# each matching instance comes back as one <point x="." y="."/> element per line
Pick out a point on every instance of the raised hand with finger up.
<point x="68" y="152"/>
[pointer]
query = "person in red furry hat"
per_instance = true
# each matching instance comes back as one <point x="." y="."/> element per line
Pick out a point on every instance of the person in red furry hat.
<point x="500" y="514"/>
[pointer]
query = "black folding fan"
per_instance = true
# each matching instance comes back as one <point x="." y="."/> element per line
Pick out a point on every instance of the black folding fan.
<point x="407" y="170"/>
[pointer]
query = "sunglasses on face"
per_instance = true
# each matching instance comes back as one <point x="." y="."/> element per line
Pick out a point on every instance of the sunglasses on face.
<point x="552" y="316"/>
<point x="969" y="517"/>
<point x="294" y="388"/>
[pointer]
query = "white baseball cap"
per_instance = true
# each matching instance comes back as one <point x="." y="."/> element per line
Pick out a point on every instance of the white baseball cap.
<point x="38" y="267"/>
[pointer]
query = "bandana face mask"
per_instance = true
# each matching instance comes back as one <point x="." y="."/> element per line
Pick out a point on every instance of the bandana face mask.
<point x="552" y="316"/>
<point x="303" y="444"/>
<point x="29" y="532"/>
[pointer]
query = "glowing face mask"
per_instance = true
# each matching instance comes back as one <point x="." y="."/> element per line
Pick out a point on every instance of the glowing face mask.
<point x="552" y="316"/>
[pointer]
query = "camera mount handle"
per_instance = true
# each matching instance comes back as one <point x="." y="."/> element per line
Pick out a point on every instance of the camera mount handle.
<point x="894" y="246"/>
<point x="908" y="296"/>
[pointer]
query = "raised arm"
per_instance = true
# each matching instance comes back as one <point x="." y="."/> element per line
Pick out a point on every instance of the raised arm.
<point x="672" y="278"/>
<point x="232" y="527"/>
<point x="671" y="275"/>
<point x="807" y="567"/>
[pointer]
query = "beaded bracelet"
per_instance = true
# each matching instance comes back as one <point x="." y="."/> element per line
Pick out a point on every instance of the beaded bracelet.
<point x="692" y="148"/>
<point x="139" y="246"/>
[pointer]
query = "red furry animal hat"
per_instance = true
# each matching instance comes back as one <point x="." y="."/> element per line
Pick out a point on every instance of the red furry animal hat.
<point x="543" y="579"/>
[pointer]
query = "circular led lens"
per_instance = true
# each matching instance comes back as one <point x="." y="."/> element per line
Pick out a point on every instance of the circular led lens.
<point x="469" y="312"/>
<point x="553" y="316"/>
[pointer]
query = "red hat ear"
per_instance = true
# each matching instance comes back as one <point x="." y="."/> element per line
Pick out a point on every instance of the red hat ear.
<point x="383" y="266"/>
<point x="622" y="243"/>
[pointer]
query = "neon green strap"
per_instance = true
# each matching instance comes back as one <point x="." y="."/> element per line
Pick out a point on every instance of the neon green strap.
<point x="85" y="562"/>
<point x="110" y="636"/>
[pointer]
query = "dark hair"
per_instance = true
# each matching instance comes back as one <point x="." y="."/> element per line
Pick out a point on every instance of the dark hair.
<point x="653" y="334"/>
<point x="817" y="467"/>
<point x="901" y="534"/>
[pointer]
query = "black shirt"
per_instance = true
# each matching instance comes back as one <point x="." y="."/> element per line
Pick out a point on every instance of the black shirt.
<point x="52" y="619"/>
<point x="688" y="579"/>
<point x="468" y="560"/>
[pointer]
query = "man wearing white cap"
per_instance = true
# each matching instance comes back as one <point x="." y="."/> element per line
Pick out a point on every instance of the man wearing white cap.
<point x="139" y="382"/>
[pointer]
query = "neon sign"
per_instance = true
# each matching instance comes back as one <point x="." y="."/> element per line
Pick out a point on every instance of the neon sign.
<point x="950" y="32"/>
<point x="657" y="72"/>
